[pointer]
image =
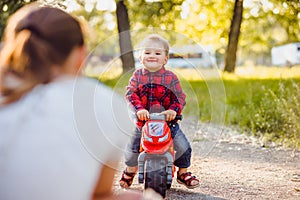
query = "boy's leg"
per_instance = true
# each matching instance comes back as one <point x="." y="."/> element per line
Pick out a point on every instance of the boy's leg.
<point x="133" y="149"/>
<point x="131" y="157"/>
<point x="183" y="158"/>
<point x="182" y="147"/>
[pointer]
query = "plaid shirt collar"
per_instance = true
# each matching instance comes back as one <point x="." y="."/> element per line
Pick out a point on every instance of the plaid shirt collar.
<point x="161" y="71"/>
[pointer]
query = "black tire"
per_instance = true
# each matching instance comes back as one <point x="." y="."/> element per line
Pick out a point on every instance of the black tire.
<point x="169" y="186"/>
<point x="156" y="175"/>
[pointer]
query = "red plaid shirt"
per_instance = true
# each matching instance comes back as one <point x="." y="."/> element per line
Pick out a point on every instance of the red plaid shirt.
<point x="155" y="92"/>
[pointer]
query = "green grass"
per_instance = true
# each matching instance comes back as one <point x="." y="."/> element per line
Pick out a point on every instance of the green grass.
<point x="262" y="101"/>
<point x="267" y="108"/>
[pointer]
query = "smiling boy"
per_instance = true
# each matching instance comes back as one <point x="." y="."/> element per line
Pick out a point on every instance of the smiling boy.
<point x="155" y="89"/>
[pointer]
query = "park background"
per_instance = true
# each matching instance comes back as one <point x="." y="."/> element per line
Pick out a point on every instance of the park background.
<point x="243" y="89"/>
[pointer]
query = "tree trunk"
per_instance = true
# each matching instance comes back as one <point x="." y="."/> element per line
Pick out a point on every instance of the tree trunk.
<point x="230" y="56"/>
<point x="124" y="37"/>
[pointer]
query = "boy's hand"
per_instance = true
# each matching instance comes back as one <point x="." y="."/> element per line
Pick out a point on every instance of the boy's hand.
<point x="143" y="115"/>
<point x="170" y="114"/>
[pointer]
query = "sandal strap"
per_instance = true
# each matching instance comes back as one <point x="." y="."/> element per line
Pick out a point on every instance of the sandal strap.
<point x="129" y="180"/>
<point x="131" y="175"/>
<point x="183" y="178"/>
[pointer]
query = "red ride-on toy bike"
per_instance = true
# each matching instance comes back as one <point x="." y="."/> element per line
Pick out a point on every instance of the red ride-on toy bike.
<point x="155" y="162"/>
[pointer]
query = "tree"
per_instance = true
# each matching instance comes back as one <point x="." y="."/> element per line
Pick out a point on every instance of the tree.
<point x="230" y="56"/>
<point x="267" y="24"/>
<point x="124" y="37"/>
<point x="156" y="14"/>
<point x="160" y="14"/>
<point x="96" y="28"/>
<point x="287" y="16"/>
<point x="7" y="8"/>
<point x="153" y="16"/>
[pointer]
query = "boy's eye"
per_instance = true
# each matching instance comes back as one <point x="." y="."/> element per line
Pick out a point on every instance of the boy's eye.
<point x="158" y="53"/>
<point x="147" y="52"/>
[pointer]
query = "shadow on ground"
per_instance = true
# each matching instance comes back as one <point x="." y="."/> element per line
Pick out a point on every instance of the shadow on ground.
<point x="175" y="193"/>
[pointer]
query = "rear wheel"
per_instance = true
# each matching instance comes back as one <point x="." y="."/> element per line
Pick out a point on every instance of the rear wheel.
<point x="156" y="175"/>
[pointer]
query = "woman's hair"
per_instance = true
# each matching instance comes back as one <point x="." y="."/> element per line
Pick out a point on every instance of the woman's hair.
<point x="35" y="40"/>
<point x="155" y="38"/>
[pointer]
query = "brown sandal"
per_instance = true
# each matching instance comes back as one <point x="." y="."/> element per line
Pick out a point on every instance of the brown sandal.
<point x="127" y="181"/>
<point x="186" y="179"/>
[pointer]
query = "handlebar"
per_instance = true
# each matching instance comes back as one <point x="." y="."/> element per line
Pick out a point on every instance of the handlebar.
<point x="178" y="117"/>
<point x="159" y="116"/>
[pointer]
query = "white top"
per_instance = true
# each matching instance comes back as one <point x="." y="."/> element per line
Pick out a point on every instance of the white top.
<point x="54" y="141"/>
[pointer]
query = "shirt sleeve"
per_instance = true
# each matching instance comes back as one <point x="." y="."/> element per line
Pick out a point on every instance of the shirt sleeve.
<point x="133" y="93"/>
<point x="179" y="96"/>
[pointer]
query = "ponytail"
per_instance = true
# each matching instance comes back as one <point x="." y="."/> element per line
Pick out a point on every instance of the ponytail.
<point x="33" y="44"/>
<point x="17" y="74"/>
<point x="13" y="55"/>
<point x="25" y="61"/>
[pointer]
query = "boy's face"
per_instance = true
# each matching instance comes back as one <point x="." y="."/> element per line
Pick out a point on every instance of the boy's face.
<point x="153" y="57"/>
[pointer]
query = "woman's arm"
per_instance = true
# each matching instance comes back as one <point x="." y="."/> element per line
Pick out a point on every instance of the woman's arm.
<point x="103" y="189"/>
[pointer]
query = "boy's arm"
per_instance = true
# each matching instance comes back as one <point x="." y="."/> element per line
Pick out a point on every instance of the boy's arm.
<point x="170" y="114"/>
<point x="178" y="97"/>
<point x="132" y="94"/>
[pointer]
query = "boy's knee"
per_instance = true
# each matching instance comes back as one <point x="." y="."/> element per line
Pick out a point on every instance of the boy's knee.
<point x="183" y="160"/>
<point x="188" y="152"/>
<point x="131" y="159"/>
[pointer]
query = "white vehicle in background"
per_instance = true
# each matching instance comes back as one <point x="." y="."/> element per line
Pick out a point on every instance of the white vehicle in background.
<point x="286" y="55"/>
<point x="191" y="56"/>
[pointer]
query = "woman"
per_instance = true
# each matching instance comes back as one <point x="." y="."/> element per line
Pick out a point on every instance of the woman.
<point x="60" y="135"/>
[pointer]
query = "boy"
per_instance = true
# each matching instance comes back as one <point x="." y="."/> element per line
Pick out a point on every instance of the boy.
<point x="155" y="89"/>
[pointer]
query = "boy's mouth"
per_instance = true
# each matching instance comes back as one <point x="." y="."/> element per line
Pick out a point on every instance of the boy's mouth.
<point x="151" y="60"/>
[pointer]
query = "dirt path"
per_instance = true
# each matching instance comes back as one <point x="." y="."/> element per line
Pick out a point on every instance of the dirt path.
<point x="234" y="166"/>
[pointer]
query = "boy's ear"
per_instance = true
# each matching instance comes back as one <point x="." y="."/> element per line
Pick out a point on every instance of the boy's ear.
<point x="166" y="59"/>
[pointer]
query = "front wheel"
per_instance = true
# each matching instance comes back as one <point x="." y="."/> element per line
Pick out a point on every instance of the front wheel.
<point x="156" y="175"/>
<point x="169" y="186"/>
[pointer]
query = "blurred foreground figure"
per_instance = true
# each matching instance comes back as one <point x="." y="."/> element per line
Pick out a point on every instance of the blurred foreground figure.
<point x="60" y="136"/>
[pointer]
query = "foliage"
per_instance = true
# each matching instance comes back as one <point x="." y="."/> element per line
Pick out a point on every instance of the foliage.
<point x="278" y="114"/>
<point x="154" y="14"/>
<point x="269" y="108"/>
<point x="99" y="26"/>
<point x="287" y="17"/>
<point x="267" y="24"/>
<point x="207" y="22"/>
<point x="7" y="8"/>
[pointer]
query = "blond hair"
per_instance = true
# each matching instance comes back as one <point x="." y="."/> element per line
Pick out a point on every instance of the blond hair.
<point x="157" y="39"/>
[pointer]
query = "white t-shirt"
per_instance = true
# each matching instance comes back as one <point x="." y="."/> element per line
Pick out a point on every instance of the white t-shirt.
<point x="54" y="141"/>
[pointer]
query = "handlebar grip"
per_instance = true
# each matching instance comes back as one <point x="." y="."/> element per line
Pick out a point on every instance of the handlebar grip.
<point x="178" y="117"/>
